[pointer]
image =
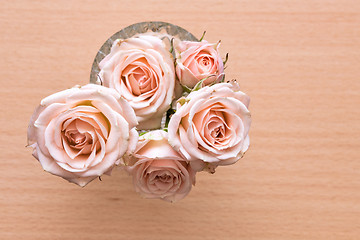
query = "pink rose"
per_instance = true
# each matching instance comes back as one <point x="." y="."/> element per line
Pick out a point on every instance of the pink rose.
<point x="80" y="133"/>
<point x="211" y="126"/>
<point x="198" y="60"/>
<point x="157" y="170"/>
<point x="141" y="69"/>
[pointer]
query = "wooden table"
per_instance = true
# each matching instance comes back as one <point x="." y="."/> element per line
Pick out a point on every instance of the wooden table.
<point x="298" y="60"/>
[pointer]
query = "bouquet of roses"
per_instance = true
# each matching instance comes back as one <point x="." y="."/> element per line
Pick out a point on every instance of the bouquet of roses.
<point x="161" y="109"/>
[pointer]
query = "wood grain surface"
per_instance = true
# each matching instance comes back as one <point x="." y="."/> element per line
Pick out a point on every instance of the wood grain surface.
<point x="298" y="60"/>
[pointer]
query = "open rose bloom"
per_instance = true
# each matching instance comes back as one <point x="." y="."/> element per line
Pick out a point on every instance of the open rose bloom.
<point x="158" y="170"/>
<point x="169" y="92"/>
<point x="141" y="69"/>
<point x="211" y="126"/>
<point x="198" y="61"/>
<point x="81" y="133"/>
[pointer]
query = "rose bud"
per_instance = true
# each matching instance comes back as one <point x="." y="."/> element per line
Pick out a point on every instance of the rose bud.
<point x="157" y="170"/>
<point x="81" y="133"/>
<point x="211" y="126"/>
<point x="141" y="69"/>
<point x="196" y="61"/>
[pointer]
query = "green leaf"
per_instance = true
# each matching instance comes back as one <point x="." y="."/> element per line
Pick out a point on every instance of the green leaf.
<point x="168" y="116"/>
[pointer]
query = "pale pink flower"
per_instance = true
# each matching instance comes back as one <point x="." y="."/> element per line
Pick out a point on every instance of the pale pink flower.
<point x="159" y="171"/>
<point x="141" y="69"/>
<point x="80" y="133"/>
<point x="211" y="126"/>
<point x="198" y="60"/>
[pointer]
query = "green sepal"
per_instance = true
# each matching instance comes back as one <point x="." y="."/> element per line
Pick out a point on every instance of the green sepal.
<point x="172" y="45"/>
<point x="202" y="37"/>
<point x="198" y="85"/>
<point x="182" y="101"/>
<point x="226" y="59"/>
<point x="186" y="89"/>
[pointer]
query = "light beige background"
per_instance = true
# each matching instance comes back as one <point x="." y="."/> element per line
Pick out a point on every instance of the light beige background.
<point x="298" y="60"/>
